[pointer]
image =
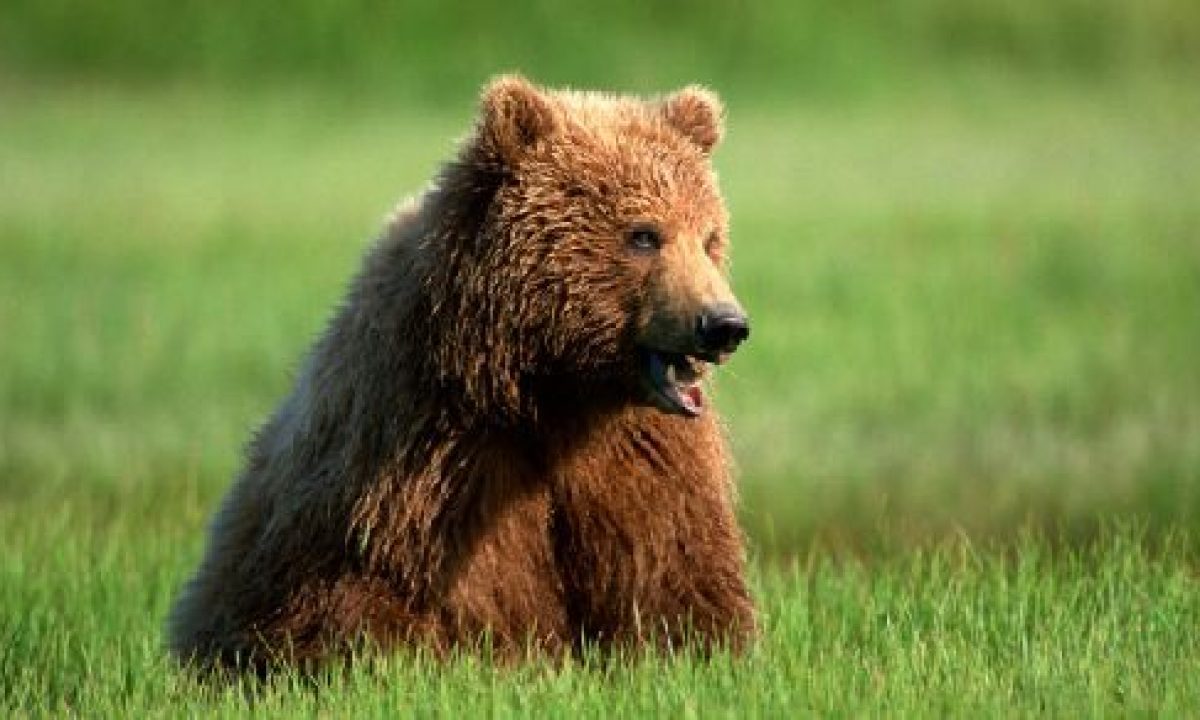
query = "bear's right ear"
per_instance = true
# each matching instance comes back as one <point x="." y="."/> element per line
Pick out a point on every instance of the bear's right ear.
<point x="513" y="115"/>
<point x="698" y="114"/>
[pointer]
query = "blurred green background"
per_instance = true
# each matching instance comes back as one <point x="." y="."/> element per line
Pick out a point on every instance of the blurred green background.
<point x="968" y="233"/>
<point x="442" y="51"/>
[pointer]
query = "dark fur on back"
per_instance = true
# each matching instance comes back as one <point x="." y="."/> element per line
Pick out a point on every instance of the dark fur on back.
<point x="466" y="450"/>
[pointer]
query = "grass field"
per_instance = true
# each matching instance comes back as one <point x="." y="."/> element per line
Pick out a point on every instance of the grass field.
<point x="968" y="422"/>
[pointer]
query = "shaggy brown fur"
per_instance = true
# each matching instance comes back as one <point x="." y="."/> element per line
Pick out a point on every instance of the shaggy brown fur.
<point x="469" y="450"/>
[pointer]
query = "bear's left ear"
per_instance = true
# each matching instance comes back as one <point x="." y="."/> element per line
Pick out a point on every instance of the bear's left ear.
<point x="697" y="113"/>
<point x="513" y="115"/>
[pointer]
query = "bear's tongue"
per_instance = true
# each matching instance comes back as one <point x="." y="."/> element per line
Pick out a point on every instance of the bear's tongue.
<point x="693" y="398"/>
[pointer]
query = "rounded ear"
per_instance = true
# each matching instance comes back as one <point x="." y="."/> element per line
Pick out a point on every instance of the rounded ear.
<point x="698" y="114"/>
<point x="513" y="115"/>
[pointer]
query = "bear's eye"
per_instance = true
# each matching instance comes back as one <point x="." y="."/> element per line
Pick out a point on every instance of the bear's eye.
<point x="644" y="238"/>
<point x="712" y="246"/>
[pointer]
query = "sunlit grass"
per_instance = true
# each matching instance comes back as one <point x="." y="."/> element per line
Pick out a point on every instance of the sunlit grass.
<point x="956" y="629"/>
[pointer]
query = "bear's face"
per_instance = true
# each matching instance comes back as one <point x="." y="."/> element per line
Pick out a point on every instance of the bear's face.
<point x="612" y="232"/>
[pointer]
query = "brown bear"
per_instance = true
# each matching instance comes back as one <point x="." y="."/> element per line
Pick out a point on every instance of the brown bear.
<point x="502" y="437"/>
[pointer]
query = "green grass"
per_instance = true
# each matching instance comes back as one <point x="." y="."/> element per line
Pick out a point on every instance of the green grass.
<point x="977" y="334"/>
<point x="1102" y="630"/>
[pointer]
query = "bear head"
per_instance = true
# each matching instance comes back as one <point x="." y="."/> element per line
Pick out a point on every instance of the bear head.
<point x="585" y="256"/>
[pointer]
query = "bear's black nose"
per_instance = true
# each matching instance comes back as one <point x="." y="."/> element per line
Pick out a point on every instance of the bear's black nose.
<point x="721" y="328"/>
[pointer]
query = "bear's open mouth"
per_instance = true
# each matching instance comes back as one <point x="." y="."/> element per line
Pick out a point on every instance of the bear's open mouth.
<point x="673" y="381"/>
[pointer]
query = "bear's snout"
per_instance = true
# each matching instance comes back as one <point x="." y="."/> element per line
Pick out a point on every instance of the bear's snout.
<point x="721" y="327"/>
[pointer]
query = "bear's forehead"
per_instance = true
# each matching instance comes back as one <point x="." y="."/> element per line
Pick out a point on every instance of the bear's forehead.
<point x="637" y="176"/>
<point x="627" y="141"/>
<point x="622" y="154"/>
<point x="614" y="118"/>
